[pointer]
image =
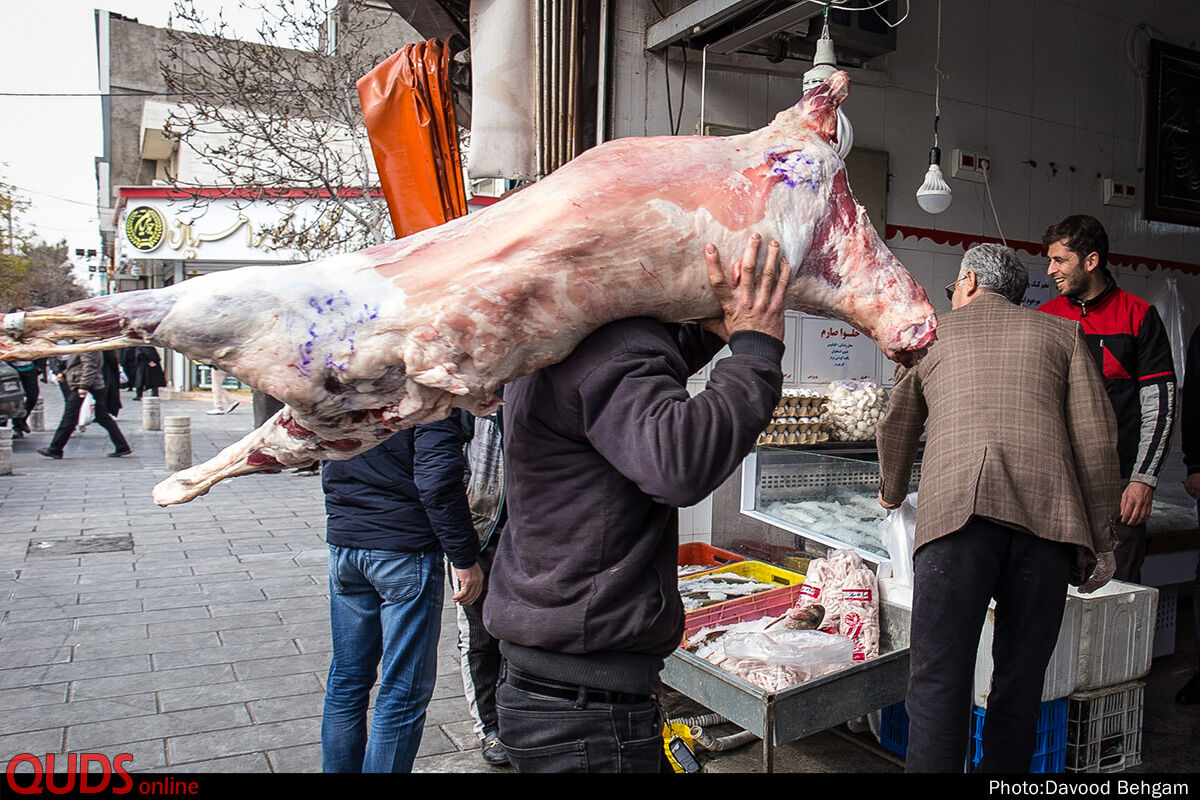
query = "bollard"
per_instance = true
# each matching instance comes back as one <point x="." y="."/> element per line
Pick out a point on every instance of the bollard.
<point x="6" y="450"/>
<point x="177" y="442"/>
<point x="37" y="418"/>
<point x="152" y="414"/>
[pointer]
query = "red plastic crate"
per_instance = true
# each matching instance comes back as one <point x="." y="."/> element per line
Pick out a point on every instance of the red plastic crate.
<point x="695" y="553"/>
<point x="771" y="603"/>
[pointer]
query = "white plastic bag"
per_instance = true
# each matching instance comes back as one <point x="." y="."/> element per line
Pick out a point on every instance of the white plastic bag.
<point x="87" y="411"/>
<point x="897" y="531"/>
<point x="812" y="651"/>
<point x="1178" y="321"/>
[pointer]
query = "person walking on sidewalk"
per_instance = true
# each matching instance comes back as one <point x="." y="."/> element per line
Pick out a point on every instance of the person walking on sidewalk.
<point x="150" y="375"/>
<point x="83" y="374"/>
<point x="222" y="402"/>
<point x="390" y="515"/>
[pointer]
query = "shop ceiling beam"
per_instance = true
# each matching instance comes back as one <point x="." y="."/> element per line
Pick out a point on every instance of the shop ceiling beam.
<point x="779" y="21"/>
<point x="693" y="19"/>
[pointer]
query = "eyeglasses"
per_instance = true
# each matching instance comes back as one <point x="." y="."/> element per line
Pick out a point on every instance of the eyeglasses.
<point x="950" y="287"/>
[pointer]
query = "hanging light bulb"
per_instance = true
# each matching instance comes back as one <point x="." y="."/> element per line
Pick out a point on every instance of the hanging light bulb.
<point x="934" y="195"/>
<point x="824" y="65"/>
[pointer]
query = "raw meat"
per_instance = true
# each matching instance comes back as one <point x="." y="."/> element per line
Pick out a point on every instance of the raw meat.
<point x="364" y="344"/>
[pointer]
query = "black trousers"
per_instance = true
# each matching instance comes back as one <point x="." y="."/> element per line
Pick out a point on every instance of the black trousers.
<point x="70" y="419"/>
<point x="29" y="382"/>
<point x="1130" y="552"/>
<point x="955" y="577"/>
<point x="479" y="653"/>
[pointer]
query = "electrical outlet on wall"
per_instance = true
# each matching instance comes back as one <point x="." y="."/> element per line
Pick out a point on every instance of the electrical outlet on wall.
<point x="1118" y="193"/>
<point x="969" y="165"/>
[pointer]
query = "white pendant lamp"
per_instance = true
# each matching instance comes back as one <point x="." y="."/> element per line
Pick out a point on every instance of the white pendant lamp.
<point x="934" y="196"/>
<point x="824" y="65"/>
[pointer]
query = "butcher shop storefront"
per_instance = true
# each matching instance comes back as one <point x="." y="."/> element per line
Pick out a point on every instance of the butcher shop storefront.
<point x="166" y="236"/>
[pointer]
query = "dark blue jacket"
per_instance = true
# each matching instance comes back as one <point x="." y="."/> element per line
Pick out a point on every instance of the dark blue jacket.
<point x="406" y="494"/>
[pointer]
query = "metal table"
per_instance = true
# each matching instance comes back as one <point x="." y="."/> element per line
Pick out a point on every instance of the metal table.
<point x="781" y="717"/>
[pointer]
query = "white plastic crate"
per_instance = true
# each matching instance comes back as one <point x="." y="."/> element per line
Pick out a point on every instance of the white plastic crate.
<point x="1060" y="672"/>
<point x="1164" y="625"/>
<point x="1116" y="634"/>
<point x="1104" y="729"/>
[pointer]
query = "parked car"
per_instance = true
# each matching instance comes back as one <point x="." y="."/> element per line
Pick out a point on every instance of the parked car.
<point x="12" y="396"/>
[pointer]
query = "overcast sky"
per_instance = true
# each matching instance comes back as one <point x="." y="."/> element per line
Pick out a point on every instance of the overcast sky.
<point x="48" y="145"/>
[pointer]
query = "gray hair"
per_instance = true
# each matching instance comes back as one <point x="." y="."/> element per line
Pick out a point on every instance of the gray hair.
<point x="997" y="269"/>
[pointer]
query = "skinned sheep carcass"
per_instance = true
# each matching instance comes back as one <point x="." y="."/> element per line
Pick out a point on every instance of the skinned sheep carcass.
<point x="361" y="345"/>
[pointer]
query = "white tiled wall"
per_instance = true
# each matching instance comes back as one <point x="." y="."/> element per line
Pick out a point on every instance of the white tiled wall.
<point x="1043" y="81"/>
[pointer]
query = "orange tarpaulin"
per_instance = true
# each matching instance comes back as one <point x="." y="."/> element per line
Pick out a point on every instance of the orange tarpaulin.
<point x="409" y="114"/>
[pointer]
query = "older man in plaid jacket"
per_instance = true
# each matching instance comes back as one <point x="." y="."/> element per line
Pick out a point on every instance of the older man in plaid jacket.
<point x="1020" y="482"/>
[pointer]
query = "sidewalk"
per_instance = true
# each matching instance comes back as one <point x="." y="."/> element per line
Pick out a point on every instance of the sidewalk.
<point x="196" y="637"/>
<point x="201" y="642"/>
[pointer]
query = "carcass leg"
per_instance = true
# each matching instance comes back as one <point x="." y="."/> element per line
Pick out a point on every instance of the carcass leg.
<point x="282" y="441"/>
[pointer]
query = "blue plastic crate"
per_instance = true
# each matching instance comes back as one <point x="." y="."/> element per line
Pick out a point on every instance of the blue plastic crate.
<point x="893" y="729"/>
<point x="1049" y="754"/>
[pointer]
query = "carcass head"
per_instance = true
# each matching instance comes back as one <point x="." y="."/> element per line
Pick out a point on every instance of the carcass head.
<point x="837" y="256"/>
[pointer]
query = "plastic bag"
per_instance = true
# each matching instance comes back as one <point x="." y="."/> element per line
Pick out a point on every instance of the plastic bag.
<point x="1177" y="320"/>
<point x="897" y="531"/>
<point x="87" y="411"/>
<point x="812" y="651"/>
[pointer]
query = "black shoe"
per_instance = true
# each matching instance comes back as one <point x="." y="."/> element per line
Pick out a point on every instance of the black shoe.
<point x="1189" y="695"/>
<point x="493" y="751"/>
<point x="48" y="453"/>
<point x="124" y="451"/>
<point x="18" y="434"/>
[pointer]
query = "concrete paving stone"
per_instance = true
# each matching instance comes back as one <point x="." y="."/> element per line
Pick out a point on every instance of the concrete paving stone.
<point x="150" y="571"/>
<point x="448" y="686"/>
<point x="82" y="610"/>
<point x="278" y="709"/>
<point x="306" y="589"/>
<point x="75" y="670"/>
<point x="153" y="645"/>
<point x="241" y="635"/>
<point x="26" y="696"/>
<point x="241" y="622"/>
<point x="303" y="759"/>
<point x="18" y="653"/>
<point x="227" y="593"/>
<point x="163" y="725"/>
<point x="315" y="644"/>
<point x="224" y="655"/>
<point x="248" y="763"/>
<point x="167" y="582"/>
<point x="446" y="710"/>
<point x="148" y="756"/>
<point x="79" y="711"/>
<point x="33" y="600"/>
<point x="307" y="614"/>
<point x="144" y="594"/>
<point x="314" y="663"/>
<point x="145" y="617"/>
<point x="110" y="633"/>
<point x="277" y="604"/>
<point x="462" y="733"/>
<point x="192" y="678"/>
<point x="435" y="743"/>
<point x="213" y="566"/>
<point x="269" y="736"/>
<point x="40" y="742"/>
<point x="200" y="696"/>
<point x="455" y="763"/>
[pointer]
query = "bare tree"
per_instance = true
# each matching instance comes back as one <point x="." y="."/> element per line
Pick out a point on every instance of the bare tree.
<point x="284" y="114"/>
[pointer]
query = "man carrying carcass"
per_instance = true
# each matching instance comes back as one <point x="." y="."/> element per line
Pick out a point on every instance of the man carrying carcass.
<point x="600" y="451"/>
<point x="1019" y="484"/>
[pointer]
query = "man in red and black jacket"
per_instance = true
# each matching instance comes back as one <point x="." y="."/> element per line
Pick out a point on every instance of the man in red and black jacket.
<point x="1129" y="342"/>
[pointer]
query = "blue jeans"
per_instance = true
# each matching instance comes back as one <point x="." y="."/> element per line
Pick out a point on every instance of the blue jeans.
<point x="385" y="608"/>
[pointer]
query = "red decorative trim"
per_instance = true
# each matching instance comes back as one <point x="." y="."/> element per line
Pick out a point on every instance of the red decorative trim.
<point x="477" y="200"/>
<point x="1157" y="375"/>
<point x="965" y="240"/>
<point x="242" y="192"/>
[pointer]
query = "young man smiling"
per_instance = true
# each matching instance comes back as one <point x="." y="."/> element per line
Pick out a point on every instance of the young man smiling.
<point x="1129" y="342"/>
